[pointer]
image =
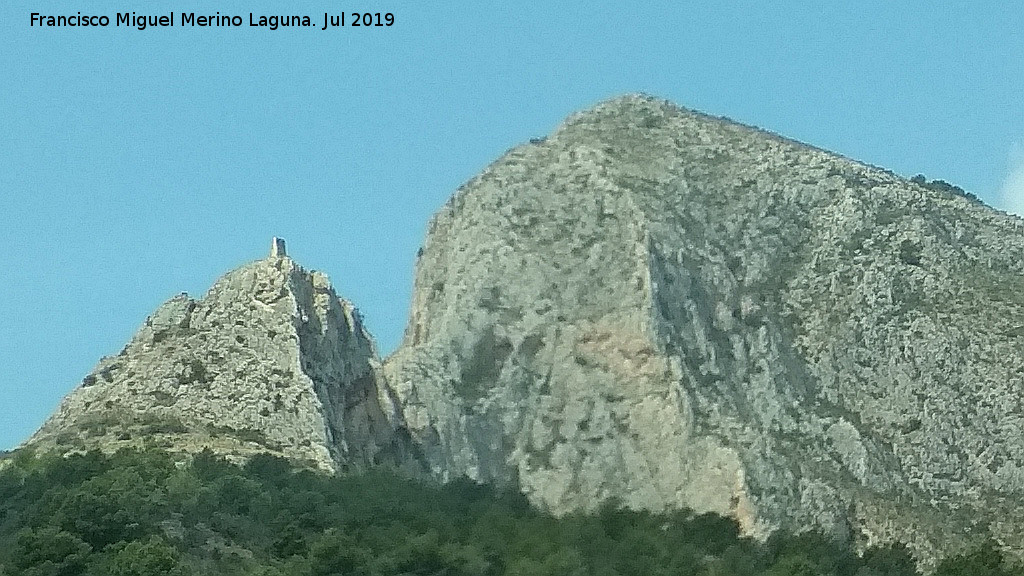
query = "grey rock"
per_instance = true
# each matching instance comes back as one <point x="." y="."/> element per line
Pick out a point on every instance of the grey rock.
<point x="269" y="360"/>
<point x="652" y="306"/>
<point x="670" y="309"/>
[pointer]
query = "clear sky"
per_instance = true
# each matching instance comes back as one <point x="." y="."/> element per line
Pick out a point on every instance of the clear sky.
<point x="138" y="164"/>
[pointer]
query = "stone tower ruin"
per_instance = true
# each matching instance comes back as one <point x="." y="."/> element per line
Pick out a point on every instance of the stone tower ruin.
<point x="277" y="248"/>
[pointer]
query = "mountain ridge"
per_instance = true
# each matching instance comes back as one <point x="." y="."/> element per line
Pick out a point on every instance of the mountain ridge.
<point x="671" y="310"/>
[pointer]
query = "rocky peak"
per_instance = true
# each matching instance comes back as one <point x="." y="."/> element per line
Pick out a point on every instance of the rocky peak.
<point x="651" y="305"/>
<point x="270" y="359"/>
<point x="671" y="309"/>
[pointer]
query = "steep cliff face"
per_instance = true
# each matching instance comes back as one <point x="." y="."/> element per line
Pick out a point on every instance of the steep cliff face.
<point x="651" y="305"/>
<point x="270" y="360"/>
<point x="675" y="310"/>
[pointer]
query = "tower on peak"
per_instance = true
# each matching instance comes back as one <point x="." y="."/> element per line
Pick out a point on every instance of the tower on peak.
<point x="277" y="248"/>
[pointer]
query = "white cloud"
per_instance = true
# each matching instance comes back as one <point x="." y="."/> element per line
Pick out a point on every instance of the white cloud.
<point x="1011" y="195"/>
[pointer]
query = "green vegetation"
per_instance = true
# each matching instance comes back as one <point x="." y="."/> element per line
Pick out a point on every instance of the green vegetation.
<point x="143" y="513"/>
<point x="943" y="186"/>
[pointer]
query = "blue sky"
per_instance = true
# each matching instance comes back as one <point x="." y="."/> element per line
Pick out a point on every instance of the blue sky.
<point x="138" y="164"/>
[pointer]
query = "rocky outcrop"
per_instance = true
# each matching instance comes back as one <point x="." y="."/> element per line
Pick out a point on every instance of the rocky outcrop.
<point x="652" y="306"/>
<point x="670" y="309"/>
<point x="269" y="360"/>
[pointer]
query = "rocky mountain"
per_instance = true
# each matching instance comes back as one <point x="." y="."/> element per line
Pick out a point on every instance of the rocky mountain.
<point x="269" y="360"/>
<point x="653" y="306"/>
<point x="671" y="309"/>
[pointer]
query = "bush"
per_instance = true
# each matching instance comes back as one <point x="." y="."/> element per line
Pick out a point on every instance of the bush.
<point x="985" y="560"/>
<point x="49" y="551"/>
<point x="154" y="557"/>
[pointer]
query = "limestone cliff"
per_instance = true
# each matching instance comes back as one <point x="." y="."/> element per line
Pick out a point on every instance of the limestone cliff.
<point x="671" y="309"/>
<point x="269" y="360"/>
<point x="650" y="305"/>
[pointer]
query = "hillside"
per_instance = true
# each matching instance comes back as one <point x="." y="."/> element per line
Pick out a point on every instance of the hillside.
<point x="269" y="360"/>
<point x="146" y="514"/>
<point x="675" y="310"/>
<point x="651" y="307"/>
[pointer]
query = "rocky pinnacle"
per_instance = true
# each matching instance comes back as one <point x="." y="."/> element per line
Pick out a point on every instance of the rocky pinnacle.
<point x="269" y="360"/>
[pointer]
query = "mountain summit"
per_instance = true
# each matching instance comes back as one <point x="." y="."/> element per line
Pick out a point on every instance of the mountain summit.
<point x="670" y="309"/>
<point x="269" y="360"/>
<point x="651" y="306"/>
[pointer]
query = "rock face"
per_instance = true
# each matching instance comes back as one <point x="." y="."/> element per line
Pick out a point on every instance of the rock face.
<point x="653" y="306"/>
<point x="671" y="309"/>
<point x="270" y="360"/>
